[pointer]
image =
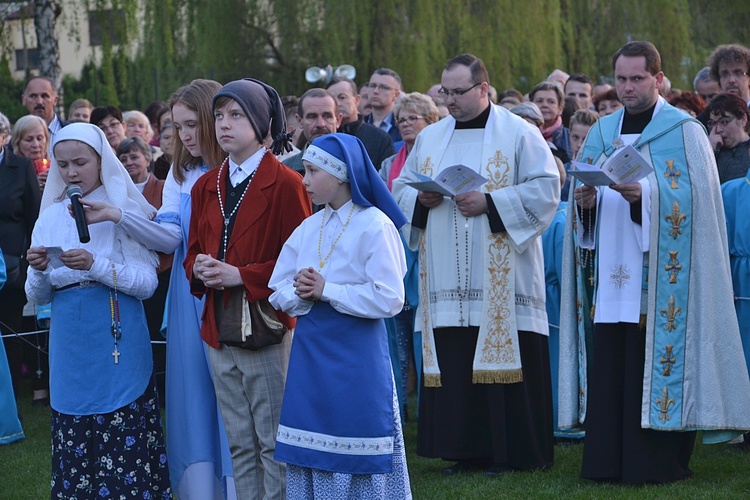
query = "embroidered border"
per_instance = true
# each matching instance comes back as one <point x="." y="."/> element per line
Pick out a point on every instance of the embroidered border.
<point x="335" y="444"/>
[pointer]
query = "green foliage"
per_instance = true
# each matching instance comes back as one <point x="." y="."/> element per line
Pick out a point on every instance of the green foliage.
<point x="10" y="97"/>
<point x="520" y="42"/>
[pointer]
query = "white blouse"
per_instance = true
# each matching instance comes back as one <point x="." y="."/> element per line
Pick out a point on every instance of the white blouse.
<point x="365" y="270"/>
<point x="135" y="266"/>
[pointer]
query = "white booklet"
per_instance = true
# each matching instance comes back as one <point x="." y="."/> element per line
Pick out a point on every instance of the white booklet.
<point x="625" y="167"/>
<point x="456" y="179"/>
<point x="54" y="257"/>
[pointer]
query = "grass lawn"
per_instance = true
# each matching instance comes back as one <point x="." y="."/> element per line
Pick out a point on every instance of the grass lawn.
<point x="720" y="472"/>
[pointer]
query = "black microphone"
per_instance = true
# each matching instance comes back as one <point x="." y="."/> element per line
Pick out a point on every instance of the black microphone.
<point x="75" y="194"/>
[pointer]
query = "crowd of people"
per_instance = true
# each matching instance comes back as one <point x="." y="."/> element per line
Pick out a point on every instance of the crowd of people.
<point x="279" y="273"/>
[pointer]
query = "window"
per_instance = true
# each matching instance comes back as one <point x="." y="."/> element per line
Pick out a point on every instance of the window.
<point x="33" y="58"/>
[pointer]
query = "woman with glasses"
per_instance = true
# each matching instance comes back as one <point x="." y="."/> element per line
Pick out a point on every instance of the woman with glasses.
<point x="412" y="113"/>
<point x="728" y="122"/>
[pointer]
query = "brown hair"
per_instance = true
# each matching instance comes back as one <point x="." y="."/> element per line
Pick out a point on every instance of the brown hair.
<point x="476" y="67"/>
<point x="689" y="100"/>
<point x="730" y="104"/>
<point x="636" y="49"/>
<point x="197" y="96"/>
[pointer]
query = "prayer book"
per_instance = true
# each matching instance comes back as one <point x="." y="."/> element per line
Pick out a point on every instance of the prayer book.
<point x="454" y="180"/>
<point x="625" y="167"/>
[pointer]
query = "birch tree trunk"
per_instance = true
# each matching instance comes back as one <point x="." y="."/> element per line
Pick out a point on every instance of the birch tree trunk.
<point x="46" y="13"/>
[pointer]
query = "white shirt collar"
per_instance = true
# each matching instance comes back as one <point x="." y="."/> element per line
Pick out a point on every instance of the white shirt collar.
<point x="238" y="173"/>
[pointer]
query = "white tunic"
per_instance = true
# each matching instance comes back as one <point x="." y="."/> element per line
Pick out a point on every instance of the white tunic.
<point x="364" y="272"/>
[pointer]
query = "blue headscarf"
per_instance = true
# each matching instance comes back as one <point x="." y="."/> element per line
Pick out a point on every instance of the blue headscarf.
<point x="368" y="188"/>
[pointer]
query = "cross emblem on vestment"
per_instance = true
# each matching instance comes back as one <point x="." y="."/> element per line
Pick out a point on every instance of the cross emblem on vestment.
<point x="672" y="174"/>
<point x="668" y="360"/>
<point x="673" y="267"/>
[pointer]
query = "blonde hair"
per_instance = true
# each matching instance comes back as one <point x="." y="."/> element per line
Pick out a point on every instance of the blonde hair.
<point x="136" y="116"/>
<point x="23" y="126"/>
<point x="419" y="103"/>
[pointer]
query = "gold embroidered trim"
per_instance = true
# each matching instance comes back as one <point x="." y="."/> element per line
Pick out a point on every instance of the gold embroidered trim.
<point x="670" y="312"/>
<point x="498" y="345"/>
<point x="427" y="167"/>
<point x="497" y="170"/>
<point x="497" y="376"/>
<point x="665" y="403"/>
<point x="432" y="380"/>
<point x="676" y="219"/>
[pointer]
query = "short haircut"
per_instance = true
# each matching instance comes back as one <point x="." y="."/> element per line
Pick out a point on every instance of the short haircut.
<point x="610" y="95"/>
<point x="80" y="103"/>
<point x="339" y="79"/>
<point x="23" y="126"/>
<point x="421" y="104"/>
<point x="729" y="104"/>
<point x="637" y="49"/>
<point x="391" y="73"/>
<point x="315" y="93"/>
<point x="135" y="116"/>
<point x="689" y="100"/>
<point x="476" y="67"/>
<point x="580" y="77"/>
<point x="584" y="117"/>
<point x="704" y="75"/>
<point x="40" y="77"/>
<point x="728" y="53"/>
<point x="99" y="113"/>
<point x="555" y="87"/>
<point x="135" y="143"/>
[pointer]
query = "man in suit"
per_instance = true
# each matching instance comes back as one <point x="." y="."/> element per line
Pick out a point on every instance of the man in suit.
<point x="19" y="210"/>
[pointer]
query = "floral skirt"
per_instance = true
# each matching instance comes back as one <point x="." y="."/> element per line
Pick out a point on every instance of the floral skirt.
<point x="111" y="455"/>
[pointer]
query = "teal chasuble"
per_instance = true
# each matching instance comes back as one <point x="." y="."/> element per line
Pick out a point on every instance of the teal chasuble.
<point x="690" y="340"/>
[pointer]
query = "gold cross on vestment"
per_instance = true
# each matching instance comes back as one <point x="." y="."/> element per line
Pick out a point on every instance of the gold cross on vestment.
<point x="673" y="267"/>
<point x="668" y="360"/>
<point x="672" y="174"/>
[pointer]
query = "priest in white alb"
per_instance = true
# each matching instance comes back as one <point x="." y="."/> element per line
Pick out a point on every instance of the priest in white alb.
<point x="486" y="402"/>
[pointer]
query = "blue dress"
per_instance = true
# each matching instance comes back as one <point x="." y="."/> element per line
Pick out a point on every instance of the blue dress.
<point x="552" y="246"/>
<point x="195" y="432"/>
<point x="736" y="194"/>
<point x="10" y="426"/>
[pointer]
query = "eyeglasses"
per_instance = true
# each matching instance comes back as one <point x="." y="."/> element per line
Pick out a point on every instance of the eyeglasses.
<point x="455" y="92"/>
<point x="737" y="74"/>
<point x="380" y="87"/>
<point x="724" y="121"/>
<point x="110" y="125"/>
<point x="411" y="120"/>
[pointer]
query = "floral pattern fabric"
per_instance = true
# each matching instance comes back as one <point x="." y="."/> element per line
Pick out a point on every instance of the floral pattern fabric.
<point x="111" y="455"/>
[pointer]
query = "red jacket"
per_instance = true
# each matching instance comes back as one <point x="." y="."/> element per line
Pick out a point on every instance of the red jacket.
<point x="275" y="204"/>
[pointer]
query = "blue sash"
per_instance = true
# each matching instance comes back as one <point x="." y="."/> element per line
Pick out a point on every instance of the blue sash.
<point x="337" y="413"/>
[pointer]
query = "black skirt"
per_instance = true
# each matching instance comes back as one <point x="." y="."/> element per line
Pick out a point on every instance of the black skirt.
<point x="111" y="454"/>
<point x="507" y="424"/>
<point x="616" y="448"/>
